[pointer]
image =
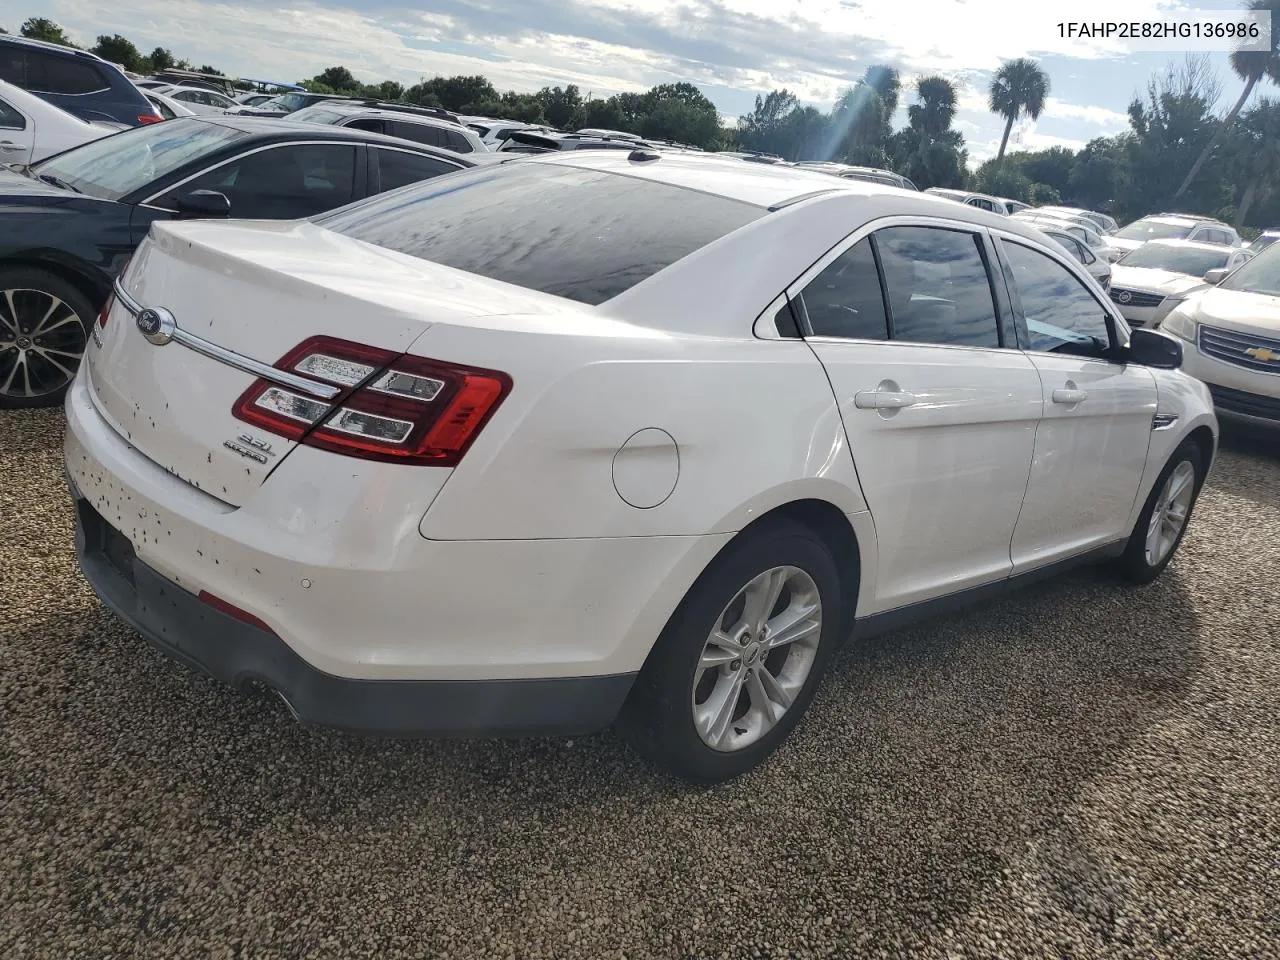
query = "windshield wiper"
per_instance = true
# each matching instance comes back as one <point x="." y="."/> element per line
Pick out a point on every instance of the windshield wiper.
<point x="58" y="182"/>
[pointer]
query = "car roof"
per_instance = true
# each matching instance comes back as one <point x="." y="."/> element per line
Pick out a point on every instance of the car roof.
<point x="766" y="185"/>
<point x="52" y="47"/>
<point x="1176" y="221"/>
<point x="359" y="110"/>
<point x="1192" y="245"/>
<point x="269" y="128"/>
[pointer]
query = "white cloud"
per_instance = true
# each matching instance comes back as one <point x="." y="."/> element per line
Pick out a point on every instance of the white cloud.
<point x="814" y="48"/>
<point x="1111" y="120"/>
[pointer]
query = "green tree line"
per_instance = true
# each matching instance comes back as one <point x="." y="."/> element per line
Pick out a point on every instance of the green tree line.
<point x="1177" y="153"/>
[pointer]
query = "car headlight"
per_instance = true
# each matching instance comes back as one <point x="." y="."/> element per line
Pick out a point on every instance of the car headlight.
<point x="1179" y="324"/>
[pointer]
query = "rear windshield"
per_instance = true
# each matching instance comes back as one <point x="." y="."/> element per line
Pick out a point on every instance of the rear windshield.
<point x="580" y="234"/>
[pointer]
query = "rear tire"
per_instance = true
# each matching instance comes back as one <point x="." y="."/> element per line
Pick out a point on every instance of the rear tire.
<point x="1165" y="516"/>
<point x="693" y="710"/>
<point x="45" y="324"/>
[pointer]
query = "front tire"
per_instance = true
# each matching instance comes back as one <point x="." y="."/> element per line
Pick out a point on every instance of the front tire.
<point x="44" y="331"/>
<point x="741" y="658"/>
<point x="1165" y="516"/>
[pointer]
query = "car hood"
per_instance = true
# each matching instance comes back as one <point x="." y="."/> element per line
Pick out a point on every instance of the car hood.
<point x="1237" y="310"/>
<point x="14" y="185"/>
<point x="1167" y="283"/>
<point x="1123" y="243"/>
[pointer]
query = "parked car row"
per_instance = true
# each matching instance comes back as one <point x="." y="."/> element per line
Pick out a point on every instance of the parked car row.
<point x="69" y="223"/>
<point x="593" y="436"/>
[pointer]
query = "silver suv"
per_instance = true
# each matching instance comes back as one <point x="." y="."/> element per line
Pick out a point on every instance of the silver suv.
<point x="419" y="124"/>
<point x="1171" y="226"/>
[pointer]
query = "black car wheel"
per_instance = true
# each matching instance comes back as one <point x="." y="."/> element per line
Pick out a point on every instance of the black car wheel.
<point x="44" y="329"/>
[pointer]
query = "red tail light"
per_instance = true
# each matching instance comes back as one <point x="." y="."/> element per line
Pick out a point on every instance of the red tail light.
<point x="392" y="407"/>
<point x="145" y="118"/>
<point x="105" y="312"/>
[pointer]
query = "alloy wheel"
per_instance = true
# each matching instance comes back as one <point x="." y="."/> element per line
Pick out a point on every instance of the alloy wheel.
<point x="756" y="660"/>
<point x="1169" y="516"/>
<point x="42" y="340"/>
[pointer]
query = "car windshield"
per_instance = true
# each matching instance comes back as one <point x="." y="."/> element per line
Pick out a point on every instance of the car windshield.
<point x="1188" y="260"/>
<point x="1263" y="242"/>
<point x="580" y="234"/>
<point x="1154" y="230"/>
<point x="1259" y="275"/>
<point x="114" y="167"/>
<point x="289" y="102"/>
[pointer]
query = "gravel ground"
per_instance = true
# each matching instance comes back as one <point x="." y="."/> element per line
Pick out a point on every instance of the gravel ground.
<point x="1080" y="771"/>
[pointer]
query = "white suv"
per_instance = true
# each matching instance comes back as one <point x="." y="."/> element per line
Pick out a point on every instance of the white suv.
<point x="608" y="436"/>
<point x="419" y="124"/>
<point x="1171" y="226"/>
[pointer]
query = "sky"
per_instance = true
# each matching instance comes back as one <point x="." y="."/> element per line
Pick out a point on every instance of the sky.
<point x="731" y="49"/>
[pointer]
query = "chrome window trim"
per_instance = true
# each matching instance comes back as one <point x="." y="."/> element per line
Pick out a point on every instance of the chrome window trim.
<point x="151" y="200"/>
<point x="763" y="327"/>
<point x="238" y="361"/>
<point x="418" y="153"/>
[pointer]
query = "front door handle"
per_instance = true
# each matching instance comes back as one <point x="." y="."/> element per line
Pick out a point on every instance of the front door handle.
<point x="883" y="399"/>
<point x="1070" y="396"/>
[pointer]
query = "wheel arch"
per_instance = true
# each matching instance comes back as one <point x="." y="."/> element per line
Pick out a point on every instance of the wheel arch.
<point x="1207" y="443"/>
<point x="93" y="285"/>
<point x="853" y="552"/>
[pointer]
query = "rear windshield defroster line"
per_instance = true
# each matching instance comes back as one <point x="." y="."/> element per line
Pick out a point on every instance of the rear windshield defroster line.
<point x="585" y="235"/>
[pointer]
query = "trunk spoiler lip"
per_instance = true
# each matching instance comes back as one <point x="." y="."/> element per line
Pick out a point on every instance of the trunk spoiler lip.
<point x="231" y="358"/>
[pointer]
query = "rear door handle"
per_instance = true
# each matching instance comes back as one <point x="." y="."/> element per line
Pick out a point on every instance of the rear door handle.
<point x="883" y="400"/>
<point x="1069" y="396"/>
<point x="8" y="146"/>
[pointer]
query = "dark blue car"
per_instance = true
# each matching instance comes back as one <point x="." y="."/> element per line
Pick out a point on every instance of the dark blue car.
<point x="75" y="80"/>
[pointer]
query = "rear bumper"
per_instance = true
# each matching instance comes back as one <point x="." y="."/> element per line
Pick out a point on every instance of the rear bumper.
<point x="179" y="624"/>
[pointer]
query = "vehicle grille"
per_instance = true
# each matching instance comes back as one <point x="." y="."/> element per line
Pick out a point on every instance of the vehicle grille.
<point x="1248" y="404"/>
<point x="1242" y="349"/>
<point x="1136" y="298"/>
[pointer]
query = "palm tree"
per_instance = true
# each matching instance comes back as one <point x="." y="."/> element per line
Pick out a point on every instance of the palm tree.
<point x="1250" y="66"/>
<point x="1019" y="87"/>
<point x="932" y="116"/>
<point x="1259" y="154"/>
<point x="887" y="85"/>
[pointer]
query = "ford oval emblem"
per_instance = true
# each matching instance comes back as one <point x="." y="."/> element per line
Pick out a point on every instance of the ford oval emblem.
<point x="156" y="325"/>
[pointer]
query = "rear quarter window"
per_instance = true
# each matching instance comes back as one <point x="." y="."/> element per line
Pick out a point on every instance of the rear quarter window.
<point x="580" y="234"/>
<point x="47" y="73"/>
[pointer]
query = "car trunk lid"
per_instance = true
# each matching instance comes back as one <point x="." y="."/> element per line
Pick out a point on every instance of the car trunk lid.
<point x="243" y="296"/>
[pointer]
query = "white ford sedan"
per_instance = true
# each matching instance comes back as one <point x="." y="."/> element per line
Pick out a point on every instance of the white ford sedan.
<point x="608" y="436"/>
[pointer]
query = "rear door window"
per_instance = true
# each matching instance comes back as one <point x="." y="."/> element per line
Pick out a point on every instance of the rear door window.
<point x="399" y="168"/>
<point x="456" y="142"/>
<point x="585" y="235"/>
<point x="417" y="132"/>
<point x="844" y="300"/>
<point x="938" y="286"/>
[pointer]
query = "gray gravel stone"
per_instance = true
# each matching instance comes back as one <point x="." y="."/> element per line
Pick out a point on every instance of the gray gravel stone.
<point x="1079" y="770"/>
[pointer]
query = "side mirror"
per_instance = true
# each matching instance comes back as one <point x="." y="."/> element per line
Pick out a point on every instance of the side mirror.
<point x="1216" y="275"/>
<point x="1149" y="348"/>
<point x="203" y="205"/>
